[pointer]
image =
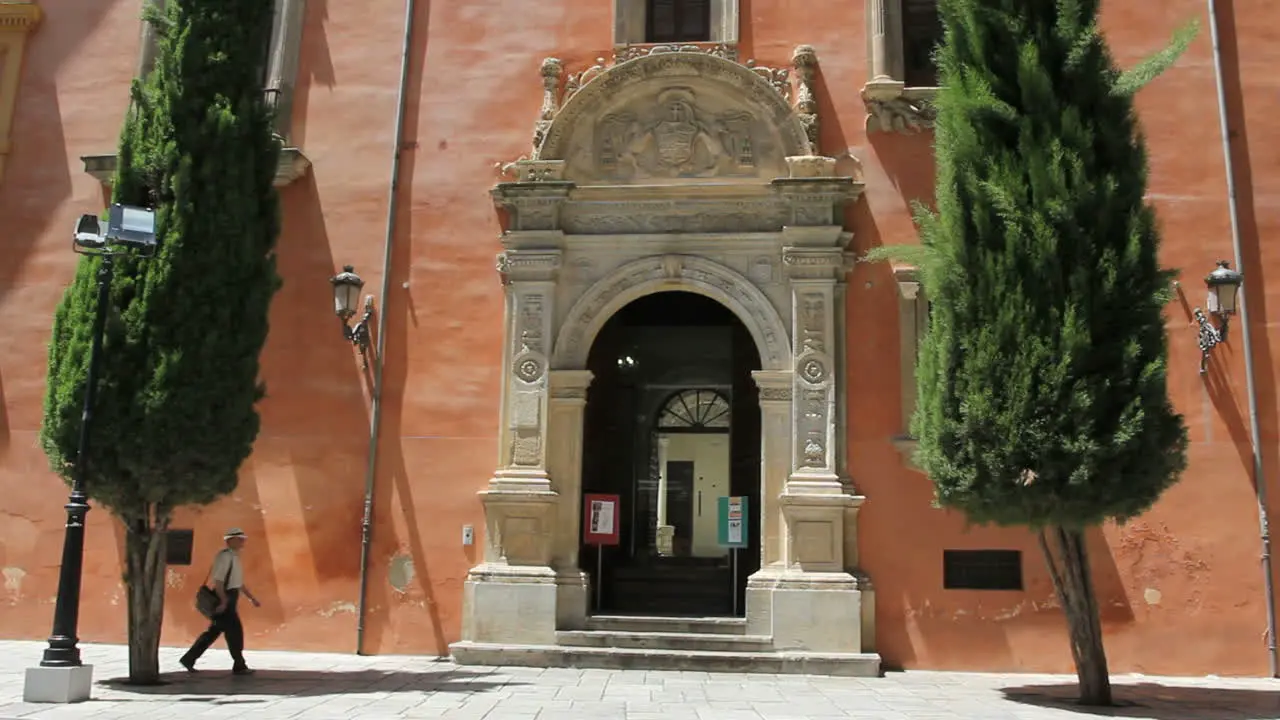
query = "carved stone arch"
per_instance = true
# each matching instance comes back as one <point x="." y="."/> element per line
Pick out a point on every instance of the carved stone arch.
<point x="722" y="93"/>
<point x="665" y="273"/>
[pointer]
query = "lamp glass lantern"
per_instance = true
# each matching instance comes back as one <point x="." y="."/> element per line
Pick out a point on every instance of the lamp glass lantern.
<point x="346" y="292"/>
<point x="1224" y="289"/>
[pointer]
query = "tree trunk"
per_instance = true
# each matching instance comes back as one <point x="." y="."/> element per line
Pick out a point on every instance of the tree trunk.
<point x="144" y="580"/>
<point x="1068" y="561"/>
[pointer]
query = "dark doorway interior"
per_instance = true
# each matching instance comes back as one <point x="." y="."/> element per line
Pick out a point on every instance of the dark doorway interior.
<point x="666" y="351"/>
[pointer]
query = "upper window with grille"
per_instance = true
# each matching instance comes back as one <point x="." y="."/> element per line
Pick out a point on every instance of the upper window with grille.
<point x="677" y="21"/>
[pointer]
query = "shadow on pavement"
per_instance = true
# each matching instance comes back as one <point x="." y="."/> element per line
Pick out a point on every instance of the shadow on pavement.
<point x="305" y="683"/>
<point x="1156" y="701"/>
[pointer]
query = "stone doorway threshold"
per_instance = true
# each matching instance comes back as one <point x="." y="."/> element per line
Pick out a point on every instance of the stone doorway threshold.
<point x="638" y="642"/>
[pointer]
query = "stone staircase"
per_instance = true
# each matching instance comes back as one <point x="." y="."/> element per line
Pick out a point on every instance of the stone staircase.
<point x="667" y="643"/>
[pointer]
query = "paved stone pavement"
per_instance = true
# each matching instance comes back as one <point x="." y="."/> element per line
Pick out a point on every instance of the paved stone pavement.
<point x="346" y="687"/>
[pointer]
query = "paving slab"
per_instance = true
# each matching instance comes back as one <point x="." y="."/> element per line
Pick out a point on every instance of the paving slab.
<point x="332" y="687"/>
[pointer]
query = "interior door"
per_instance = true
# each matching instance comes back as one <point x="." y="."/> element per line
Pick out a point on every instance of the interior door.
<point x="710" y="483"/>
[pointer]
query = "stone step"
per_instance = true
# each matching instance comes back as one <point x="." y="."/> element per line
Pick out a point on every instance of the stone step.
<point x="716" y="642"/>
<point x="844" y="664"/>
<point x="667" y="624"/>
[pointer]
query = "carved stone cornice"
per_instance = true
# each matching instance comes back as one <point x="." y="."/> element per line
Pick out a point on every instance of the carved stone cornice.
<point x="908" y="279"/>
<point x="292" y="166"/>
<point x="775" y="385"/>
<point x="811" y="263"/>
<point x="17" y="19"/>
<point x="816" y="201"/>
<point x="894" y="107"/>
<point x="570" y="384"/>
<point x="529" y="265"/>
<point x="20" y="16"/>
<point x="534" y="205"/>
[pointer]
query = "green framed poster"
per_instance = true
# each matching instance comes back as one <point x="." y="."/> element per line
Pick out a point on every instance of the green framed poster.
<point x="733" y="522"/>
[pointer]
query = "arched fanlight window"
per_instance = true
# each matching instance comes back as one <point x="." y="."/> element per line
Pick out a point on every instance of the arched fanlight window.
<point x="695" y="410"/>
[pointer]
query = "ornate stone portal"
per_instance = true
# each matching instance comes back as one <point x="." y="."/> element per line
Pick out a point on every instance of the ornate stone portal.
<point x="674" y="170"/>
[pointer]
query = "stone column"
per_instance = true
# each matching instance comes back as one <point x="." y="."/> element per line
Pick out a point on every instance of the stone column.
<point x="878" y="22"/>
<point x="564" y="464"/>
<point x="511" y="596"/>
<point x="666" y="534"/>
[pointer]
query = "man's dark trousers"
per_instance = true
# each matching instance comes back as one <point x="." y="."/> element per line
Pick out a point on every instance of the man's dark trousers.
<point x="227" y="622"/>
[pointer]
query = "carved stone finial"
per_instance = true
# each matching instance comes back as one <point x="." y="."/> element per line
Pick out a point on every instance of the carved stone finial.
<point x="551" y="70"/>
<point x="805" y="61"/>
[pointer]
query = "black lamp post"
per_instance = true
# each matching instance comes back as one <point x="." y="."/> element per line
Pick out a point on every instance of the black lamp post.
<point x="126" y="230"/>
<point x="346" y="296"/>
<point x="1224" y="288"/>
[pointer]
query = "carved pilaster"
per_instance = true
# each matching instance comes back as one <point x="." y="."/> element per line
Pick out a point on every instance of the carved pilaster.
<point x="530" y="282"/>
<point x="805" y="61"/>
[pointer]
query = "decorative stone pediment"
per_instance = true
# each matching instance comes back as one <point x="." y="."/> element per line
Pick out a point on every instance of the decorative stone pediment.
<point x="673" y="117"/>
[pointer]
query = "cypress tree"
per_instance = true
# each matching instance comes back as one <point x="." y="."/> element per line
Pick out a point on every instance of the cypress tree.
<point x="1041" y="383"/>
<point x="179" y="376"/>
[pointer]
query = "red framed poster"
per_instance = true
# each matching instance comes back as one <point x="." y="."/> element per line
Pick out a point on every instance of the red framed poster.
<point x="600" y="519"/>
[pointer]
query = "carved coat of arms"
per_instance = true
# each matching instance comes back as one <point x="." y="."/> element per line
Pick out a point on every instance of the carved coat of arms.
<point x="674" y="139"/>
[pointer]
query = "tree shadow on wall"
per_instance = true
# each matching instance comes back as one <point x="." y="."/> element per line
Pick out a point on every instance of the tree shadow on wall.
<point x="1156" y="701"/>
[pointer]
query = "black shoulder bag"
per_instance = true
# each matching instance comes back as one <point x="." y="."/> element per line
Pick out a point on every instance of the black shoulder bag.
<point x="206" y="599"/>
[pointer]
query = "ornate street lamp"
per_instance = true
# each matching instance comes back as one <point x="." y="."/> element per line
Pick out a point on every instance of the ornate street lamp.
<point x="1224" y="288"/>
<point x="126" y="231"/>
<point x="346" y="296"/>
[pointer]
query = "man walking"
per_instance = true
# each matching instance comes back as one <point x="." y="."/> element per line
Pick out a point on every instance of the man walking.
<point x="227" y="578"/>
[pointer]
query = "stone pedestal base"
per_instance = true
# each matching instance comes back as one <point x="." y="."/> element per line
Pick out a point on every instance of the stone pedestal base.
<point x="58" y="684"/>
<point x="514" y="604"/>
<point x="573" y="599"/>
<point x="815" y="612"/>
<point x="666" y="539"/>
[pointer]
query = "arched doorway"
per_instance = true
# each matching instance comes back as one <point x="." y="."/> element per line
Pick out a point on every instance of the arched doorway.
<point x="672" y="424"/>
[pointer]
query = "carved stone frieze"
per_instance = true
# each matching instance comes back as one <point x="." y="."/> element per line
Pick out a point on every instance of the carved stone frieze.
<point x="631" y="52"/>
<point x="805" y="61"/>
<point x="673" y="217"/>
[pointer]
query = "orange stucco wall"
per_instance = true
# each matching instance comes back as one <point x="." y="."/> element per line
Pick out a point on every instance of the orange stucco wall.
<point x="1181" y="586"/>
